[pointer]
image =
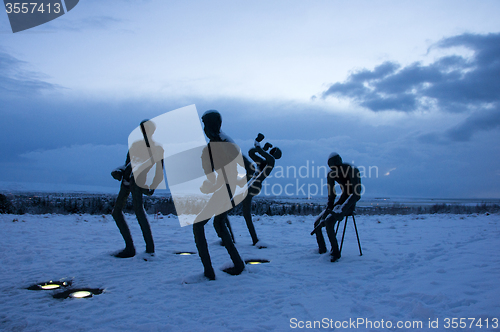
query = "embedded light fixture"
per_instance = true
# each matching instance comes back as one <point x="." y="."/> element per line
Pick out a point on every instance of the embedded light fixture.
<point x="78" y="293"/>
<point x="256" y="261"/>
<point x="49" y="285"/>
<point x="81" y="294"/>
<point x="185" y="253"/>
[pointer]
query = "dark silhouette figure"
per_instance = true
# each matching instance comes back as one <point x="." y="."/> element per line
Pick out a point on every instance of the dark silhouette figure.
<point x="145" y="154"/>
<point x="218" y="184"/>
<point x="348" y="177"/>
<point x="264" y="164"/>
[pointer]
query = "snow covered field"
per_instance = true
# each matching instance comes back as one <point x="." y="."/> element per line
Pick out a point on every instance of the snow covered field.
<point x="413" y="269"/>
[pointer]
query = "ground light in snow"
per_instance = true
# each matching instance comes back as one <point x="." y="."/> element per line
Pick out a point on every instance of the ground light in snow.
<point x="78" y="293"/>
<point x="256" y="261"/>
<point x="49" y="285"/>
<point x="415" y="269"/>
<point x="185" y="253"/>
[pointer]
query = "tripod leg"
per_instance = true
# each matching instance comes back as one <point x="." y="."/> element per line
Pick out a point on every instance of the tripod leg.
<point x="356" y="229"/>
<point x="343" y="233"/>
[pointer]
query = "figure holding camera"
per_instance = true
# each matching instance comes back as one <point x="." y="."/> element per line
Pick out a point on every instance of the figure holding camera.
<point x="264" y="160"/>
<point x="141" y="157"/>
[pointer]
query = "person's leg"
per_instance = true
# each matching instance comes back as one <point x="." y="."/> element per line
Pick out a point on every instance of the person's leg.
<point x="228" y="226"/>
<point x="347" y="209"/>
<point x="230" y="229"/>
<point x="350" y="205"/>
<point x="319" y="238"/>
<point x="221" y="229"/>
<point x="202" y="246"/>
<point x="247" y="214"/>
<point x="332" y="236"/>
<point x="119" y="218"/>
<point x="142" y="218"/>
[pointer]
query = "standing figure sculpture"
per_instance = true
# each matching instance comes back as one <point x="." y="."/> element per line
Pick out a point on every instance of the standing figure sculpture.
<point x="348" y="177"/>
<point x="263" y="166"/>
<point x="134" y="182"/>
<point x="217" y="182"/>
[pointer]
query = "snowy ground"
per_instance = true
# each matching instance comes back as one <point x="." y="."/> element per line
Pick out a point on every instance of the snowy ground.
<point x="413" y="268"/>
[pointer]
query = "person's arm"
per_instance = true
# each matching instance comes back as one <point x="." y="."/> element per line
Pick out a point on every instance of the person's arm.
<point x="250" y="167"/>
<point x="331" y="195"/>
<point x="158" y="175"/>
<point x="329" y="206"/>
<point x="127" y="160"/>
<point x="252" y="153"/>
<point x="351" y="189"/>
<point x="214" y="180"/>
<point x="206" y="163"/>
<point x="357" y="188"/>
<point x="343" y="197"/>
<point x="268" y="164"/>
<point x="331" y="192"/>
<point x="158" y="159"/>
<point x="119" y="173"/>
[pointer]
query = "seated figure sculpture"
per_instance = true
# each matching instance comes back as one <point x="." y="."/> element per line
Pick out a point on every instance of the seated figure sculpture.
<point x="348" y="177"/>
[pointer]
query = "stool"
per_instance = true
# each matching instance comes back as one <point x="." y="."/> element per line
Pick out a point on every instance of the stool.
<point x="343" y="233"/>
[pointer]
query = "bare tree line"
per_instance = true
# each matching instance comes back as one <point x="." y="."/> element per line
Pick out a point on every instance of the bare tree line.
<point x="103" y="204"/>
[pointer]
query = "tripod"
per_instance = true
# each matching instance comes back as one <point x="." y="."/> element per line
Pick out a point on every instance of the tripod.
<point x="343" y="233"/>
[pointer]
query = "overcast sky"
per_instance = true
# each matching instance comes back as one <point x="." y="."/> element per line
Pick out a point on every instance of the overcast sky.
<point x="409" y="89"/>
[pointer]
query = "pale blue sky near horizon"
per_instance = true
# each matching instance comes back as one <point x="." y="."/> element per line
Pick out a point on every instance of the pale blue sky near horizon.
<point x="410" y="88"/>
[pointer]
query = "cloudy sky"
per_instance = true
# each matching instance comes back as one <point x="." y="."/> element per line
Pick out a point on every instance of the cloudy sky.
<point x="408" y="90"/>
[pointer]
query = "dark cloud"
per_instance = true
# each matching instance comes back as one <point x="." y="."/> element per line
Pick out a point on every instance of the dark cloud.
<point x="16" y="80"/>
<point x="478" y="121"/>
<point x="452" y="83"/>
